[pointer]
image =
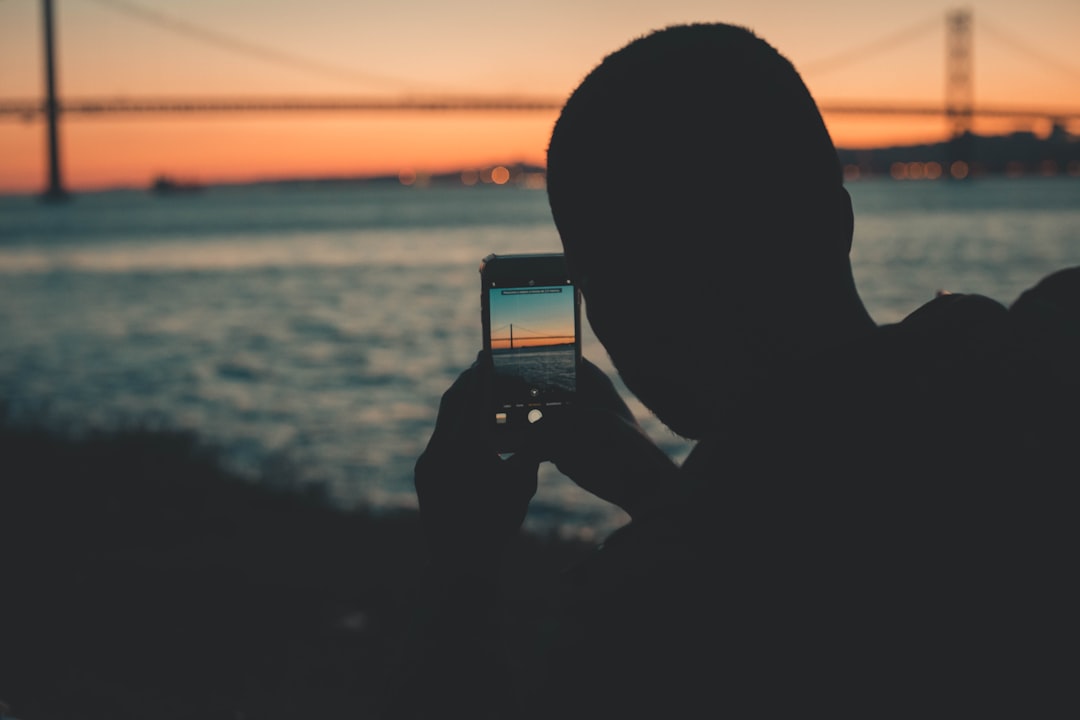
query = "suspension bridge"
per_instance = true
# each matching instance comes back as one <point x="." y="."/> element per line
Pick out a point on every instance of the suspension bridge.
<point x="958" y="108"/>
<point x="504" y="337"/>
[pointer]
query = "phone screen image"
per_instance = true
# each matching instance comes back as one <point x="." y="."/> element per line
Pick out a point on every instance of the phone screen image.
<point x="533" y="340"/>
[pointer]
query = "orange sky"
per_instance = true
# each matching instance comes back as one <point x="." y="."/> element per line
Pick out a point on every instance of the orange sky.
<point x="848" y="51"/>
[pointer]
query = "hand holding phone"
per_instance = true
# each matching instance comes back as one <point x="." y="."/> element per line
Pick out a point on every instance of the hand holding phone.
<point x="471" y="502"/>
<point x="531" y="318"/>
<point x="604" y="450"/>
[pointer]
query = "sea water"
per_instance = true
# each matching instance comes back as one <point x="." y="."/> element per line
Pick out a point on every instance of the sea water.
<point x="315" y="326"/>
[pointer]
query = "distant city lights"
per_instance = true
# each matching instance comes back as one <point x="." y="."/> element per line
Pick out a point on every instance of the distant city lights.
<point x="515" y="175"/>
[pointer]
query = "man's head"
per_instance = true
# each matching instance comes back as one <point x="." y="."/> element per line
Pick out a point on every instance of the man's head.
<point x="701" y="206"/>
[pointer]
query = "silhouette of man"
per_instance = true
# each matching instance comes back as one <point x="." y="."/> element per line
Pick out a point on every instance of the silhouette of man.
<point x="863" y="528"/>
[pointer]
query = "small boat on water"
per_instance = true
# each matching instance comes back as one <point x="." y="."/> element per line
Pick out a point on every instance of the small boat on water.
<point x="167" y="185"/>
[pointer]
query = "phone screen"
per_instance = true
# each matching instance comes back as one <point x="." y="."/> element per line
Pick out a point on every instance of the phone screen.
<point x="531" y="329"/>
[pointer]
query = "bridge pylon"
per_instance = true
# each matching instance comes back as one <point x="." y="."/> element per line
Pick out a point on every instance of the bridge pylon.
<point x="55" y="190"/>
<point x="959" y="85"/>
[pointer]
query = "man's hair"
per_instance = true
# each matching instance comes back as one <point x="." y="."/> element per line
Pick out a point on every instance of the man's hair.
<point x="685" y="129"/>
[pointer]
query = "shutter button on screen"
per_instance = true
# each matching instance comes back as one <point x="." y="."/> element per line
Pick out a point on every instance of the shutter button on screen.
<point x="535" y="415"/>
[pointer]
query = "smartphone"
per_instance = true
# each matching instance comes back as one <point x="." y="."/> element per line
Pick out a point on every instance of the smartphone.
<point x="531" y="318"/>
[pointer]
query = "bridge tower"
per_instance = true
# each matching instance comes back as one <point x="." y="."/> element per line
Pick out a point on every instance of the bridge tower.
<point x="959" y="87"/>
<point x="55" y="190"/>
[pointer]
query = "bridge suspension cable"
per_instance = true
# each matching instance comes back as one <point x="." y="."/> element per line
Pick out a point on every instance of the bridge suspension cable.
<point x="1046" y="60"/>
<point x="865" y="50"/>
<point x="259" y="51"/>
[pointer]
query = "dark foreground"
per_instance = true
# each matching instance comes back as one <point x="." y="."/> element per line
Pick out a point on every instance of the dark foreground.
<point x="140" y="580"/>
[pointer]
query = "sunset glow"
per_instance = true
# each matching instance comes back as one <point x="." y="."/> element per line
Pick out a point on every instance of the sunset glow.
<point x="504" y="344"/>
<point x="1023" y="56"/>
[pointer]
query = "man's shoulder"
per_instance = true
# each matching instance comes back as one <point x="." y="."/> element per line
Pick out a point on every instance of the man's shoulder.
<point x="1045" y="328"/>
<point x="992" y="387"/>
<point x="1043" y="357"/>
<point x="1045" y="318"/>
<point x="952" y="327"/>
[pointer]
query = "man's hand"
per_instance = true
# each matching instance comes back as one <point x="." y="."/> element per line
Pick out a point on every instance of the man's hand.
<point x="601" y="447"/>
<point x="472" y="503"/>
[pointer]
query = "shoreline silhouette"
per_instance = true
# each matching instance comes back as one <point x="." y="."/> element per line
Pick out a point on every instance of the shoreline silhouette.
<point x="144" y="580"/>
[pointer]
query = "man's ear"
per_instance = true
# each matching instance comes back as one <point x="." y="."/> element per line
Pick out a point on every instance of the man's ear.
<point x="832" y="218"/>
<point x="845" y="216"/>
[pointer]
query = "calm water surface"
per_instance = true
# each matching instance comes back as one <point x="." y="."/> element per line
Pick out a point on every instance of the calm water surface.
<point x="319" y="325"/>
